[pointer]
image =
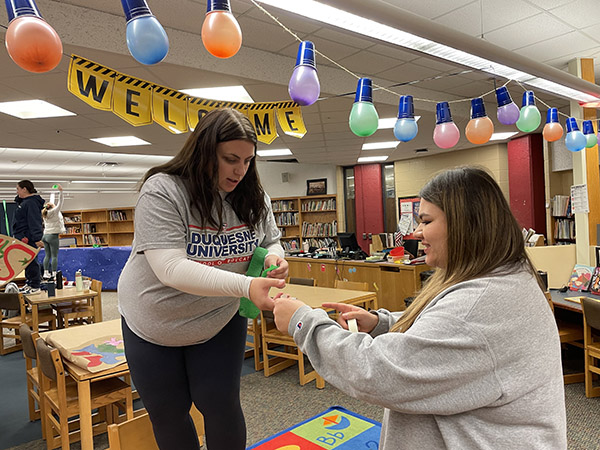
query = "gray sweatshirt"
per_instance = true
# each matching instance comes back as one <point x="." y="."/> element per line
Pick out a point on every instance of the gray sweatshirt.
<point x="479" y="369"/>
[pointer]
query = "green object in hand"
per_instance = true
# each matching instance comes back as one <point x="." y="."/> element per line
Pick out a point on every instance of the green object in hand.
<point x="55" y="186"/>
<point x="247" y="308"/>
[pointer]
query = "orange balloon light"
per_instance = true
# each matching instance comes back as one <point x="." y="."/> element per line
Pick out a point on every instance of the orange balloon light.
<point x="479" y="130"/>
<point x="553" y="131"/>
<point x="33" y="44"/>
<point x="221" y="34"/>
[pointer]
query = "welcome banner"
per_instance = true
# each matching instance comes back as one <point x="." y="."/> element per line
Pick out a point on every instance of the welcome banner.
<point x="140" y="102"/>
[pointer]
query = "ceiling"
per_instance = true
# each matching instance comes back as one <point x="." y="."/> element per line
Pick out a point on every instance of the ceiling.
<point x="552" y="32"/>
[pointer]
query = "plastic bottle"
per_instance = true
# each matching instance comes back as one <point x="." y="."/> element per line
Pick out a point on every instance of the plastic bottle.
<point x="78" y="281"/>
<point x="59" y="279"/>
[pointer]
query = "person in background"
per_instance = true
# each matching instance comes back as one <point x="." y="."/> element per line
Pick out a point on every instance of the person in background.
<point x="198" y="220"/>
<point x="475" y="360"/>
<point x="54" y="225"/>
<point x="27" y="227"/>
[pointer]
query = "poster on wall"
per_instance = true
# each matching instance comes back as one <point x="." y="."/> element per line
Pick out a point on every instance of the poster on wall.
<point x="409" y="215"/>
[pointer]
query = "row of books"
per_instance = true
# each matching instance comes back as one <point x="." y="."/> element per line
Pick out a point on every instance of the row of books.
<point x="319" y="229"/>
<point x="288" y="218"/>
<point x="564" y="229"/>
<point x="321" y="242"/>
<point x="117" y="215"/>
<point x="561" y="206"/>
<point x="283" y="205"/>
<point x="292" y="244"/>
<point x="319" y="205"/>
<point x="89" y="228"/>
<point x="73" y="230"/>
<point x="585" y="278"/>
<point x="91" y="240"/>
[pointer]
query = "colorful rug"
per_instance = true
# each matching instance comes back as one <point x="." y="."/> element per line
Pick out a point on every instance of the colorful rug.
<point x="336" y="428"/>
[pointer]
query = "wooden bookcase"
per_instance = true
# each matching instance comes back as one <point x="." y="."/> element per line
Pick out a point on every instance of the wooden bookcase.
<point x="309" y="219"/>
<point x="563" y="220"/>
<point x="105" y="227"/>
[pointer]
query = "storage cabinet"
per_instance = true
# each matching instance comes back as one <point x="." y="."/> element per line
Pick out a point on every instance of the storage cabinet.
<point x="311" y="220"/>
<point x="112" y="227"/>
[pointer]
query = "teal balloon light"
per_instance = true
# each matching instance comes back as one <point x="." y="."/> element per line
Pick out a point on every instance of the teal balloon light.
<point x="529" y="117"/>
<point x="364" y="119"/>
<point x="588" y="132"/>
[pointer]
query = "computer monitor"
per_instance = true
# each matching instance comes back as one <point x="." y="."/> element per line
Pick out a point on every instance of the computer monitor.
<point x="411" y="246"/>
<point x="348" y="242"/>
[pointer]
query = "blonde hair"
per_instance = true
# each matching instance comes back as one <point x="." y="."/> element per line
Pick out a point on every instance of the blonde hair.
<point x="482" y="234"/>
<point x="47" y="207"/>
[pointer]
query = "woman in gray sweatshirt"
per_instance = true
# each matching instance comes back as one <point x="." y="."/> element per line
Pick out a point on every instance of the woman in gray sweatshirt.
<point x="474" y="362"/>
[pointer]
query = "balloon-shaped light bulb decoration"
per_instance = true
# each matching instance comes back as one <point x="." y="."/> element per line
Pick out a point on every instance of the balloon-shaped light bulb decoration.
<point x="480" y="128"/>
<point x="147" y="40"/>
<point x="221" y="33"/>
<point x="445" y="133"/>
<point x="590" y="135"/>
<point x="405" y="128"/>
<point x="529" y="117"/>
<point x="304" y="87"/>
<point x="575" y="140"/>
<point x="508" y="111"/>
<point x="553" y="130"/>
<point x="364" y="119"/>
<point x="30" y="41"/>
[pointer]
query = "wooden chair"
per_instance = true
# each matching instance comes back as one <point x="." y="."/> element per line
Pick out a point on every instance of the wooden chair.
<point x="28" y="338"/>
<point x="303" y="281"/>
<point x="280" y="352"/>
<point x="82" y="311"/>
<point x="591" y="329"/>
<point x="351" y="285"/>
<point x="570" y="334"/>
<point x="60" y="401"/>
<point x="9" y="327"/>
<point x="137" y="433"/>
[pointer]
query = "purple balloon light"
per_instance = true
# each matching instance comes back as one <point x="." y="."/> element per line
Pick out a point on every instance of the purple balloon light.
<point x="304" y="87"/>
<point x="508" y="112"/>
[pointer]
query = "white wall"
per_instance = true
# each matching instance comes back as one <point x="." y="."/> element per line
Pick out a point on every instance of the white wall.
<point x="270" y="177"/>
<point x="76" y="202"/>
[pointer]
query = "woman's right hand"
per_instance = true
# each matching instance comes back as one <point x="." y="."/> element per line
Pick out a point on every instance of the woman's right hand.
<point x="365" y="320"/>
<point x="259" y="292"/>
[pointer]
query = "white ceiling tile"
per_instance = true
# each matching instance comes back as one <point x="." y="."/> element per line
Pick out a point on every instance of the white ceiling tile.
<point x="550" y="4"/>
<point x="579" y="14"/>
<point x="573" y="43"/>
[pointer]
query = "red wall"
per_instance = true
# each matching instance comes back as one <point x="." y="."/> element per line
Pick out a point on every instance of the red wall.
<point x="526" y="181"/>
<point x="369" y="202"/>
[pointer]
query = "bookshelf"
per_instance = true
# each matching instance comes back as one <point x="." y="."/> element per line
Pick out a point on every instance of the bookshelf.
<point x="309" y="219"/>
<point x="104" y="227"/>
<point x="563" y="221"/>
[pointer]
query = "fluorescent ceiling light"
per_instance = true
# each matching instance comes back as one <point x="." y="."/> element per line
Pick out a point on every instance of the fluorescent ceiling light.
<point x="274" y="152"/>
<point x="121" y="141"/>
<point x="503" y="136"/>
<point x="363" y="159"/>
<point x="101" y="181"/>
<point x="357" y="24"/>
<point x="33" y="109"/>
<point x="380" y="145"/>
<point x="389" y="122"/>
<point x="225" y="93"/>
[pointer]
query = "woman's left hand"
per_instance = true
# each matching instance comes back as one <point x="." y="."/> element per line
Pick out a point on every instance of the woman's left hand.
<point x="285" y="307"/>
<point x="282" y="266"/>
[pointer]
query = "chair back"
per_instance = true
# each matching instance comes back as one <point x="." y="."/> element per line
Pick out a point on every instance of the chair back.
<point x="10" y="301"/>
<point x="303" y="281"/>
<point x="591" y="312"/>
<point x="47" y="359"/>
<point x="351" y="285"/>
<point x="28" y="341"/>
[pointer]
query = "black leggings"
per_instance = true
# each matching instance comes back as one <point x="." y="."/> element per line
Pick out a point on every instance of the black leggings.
<point x="169" y="379"/>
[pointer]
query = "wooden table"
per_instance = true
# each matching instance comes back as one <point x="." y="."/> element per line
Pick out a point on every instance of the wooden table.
<point x="314" y="296"/>
<point x="67" y="294"/>
<point x="84" y="377"/>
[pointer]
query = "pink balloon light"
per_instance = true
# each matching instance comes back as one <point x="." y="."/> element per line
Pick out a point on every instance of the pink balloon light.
<point x="446" y="133"/>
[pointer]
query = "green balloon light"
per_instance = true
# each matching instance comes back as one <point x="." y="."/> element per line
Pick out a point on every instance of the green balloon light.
<point x="364" y="119"/>
<point x="530" y="117"/>
<point x="590" y="135"/>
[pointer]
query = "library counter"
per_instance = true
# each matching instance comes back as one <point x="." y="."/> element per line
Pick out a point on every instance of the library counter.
<point x="392" y="282"/>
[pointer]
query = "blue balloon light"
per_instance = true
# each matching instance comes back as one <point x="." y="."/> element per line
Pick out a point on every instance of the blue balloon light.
<point x="147" y="40"/>
<point x="575" y="140"/>
<point x="406" y="127"/>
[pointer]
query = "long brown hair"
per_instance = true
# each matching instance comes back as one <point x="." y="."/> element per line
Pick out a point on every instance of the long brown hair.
<point x="197" y="165"/>
<point x="483" y="234"/>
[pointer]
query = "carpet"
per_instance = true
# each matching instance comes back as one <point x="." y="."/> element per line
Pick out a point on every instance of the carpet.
<point x="335" y="428"/>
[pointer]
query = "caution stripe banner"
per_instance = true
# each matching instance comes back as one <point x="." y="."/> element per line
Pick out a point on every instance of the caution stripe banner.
<point x="140" y="102"/>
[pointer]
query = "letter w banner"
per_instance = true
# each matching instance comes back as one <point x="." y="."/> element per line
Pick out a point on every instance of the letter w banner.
<point x="140" y="102"/>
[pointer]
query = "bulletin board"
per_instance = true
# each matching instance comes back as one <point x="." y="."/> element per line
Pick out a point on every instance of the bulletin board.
<point x="408" y="208"/>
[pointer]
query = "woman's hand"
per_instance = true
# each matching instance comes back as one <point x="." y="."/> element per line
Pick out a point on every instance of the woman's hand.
<point x="282" y="266"/>
<point x="39" y="244"/>
<point x="365" y="320"/>
<point x="285" y="307"/>
<point x="259" y="292"/>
